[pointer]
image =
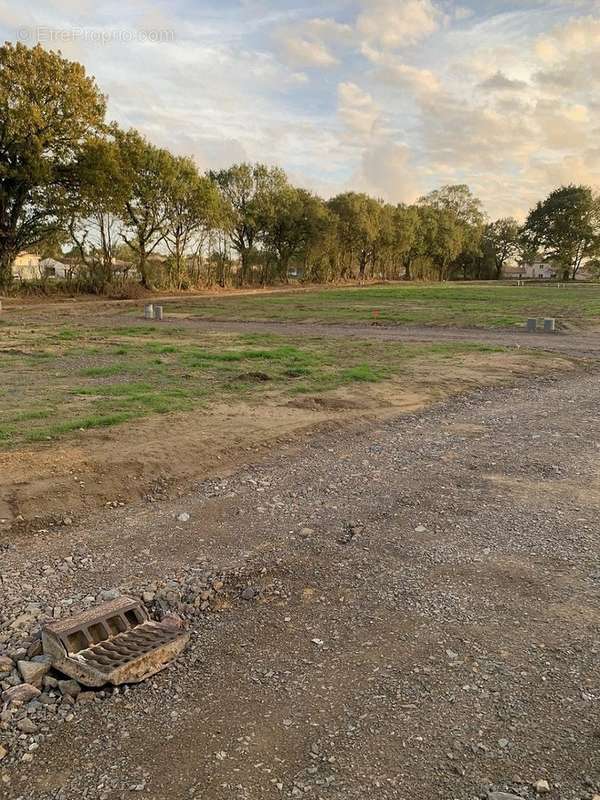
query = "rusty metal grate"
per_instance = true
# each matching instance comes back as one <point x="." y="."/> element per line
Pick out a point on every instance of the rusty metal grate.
<point x="115" y="642"/>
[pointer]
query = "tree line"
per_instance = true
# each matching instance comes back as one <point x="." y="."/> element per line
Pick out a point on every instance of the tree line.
<point x="73" y="184"/>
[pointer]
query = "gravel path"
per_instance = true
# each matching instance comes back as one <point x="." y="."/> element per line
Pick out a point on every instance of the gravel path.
<point x="424" y="621"/>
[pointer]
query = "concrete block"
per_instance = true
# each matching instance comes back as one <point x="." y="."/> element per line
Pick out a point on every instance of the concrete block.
<point x="149" y="311"/>
<point x="158" y="312"/>
<point x="531" y="325"/>
<point x="549" y="325"/>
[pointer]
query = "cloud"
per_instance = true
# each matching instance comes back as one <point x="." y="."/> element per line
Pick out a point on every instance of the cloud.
<point x="579" y="35"/>
<point x="387" y="171"/>
<point x="499" y="82"/>
<point x="357" y="109"/>
<point x="419" y="81"/>
<point x="391" y="24"/>
<point x="312" y="43"/>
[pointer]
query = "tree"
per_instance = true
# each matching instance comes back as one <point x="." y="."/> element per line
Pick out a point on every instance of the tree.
<point x="149" y="170"/>
<point x="294" y="217"/>
<point x="191" y="203"/>
<point x="467" y="210"/>
<point x="502" y="240"/>
<point x="95" y="225"/>
<point x="408" y="242"/>
<point x="247" y="190"/>
<point x="358" y="229"/>
<point x="49" y="110"/>
<point x="442" y="238"/>
<point x="565" y="227"/>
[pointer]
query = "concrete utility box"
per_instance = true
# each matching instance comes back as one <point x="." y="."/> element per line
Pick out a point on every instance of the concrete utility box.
<point x="531" y="325"/>
<point x="158" y="312"/>
<point x="549" y="325"/>
<point x="149" y="311"/>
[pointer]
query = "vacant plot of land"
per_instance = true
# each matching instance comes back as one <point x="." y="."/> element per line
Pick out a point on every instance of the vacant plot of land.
<point x="59" y="382"/>
<point x="485" y="306"/>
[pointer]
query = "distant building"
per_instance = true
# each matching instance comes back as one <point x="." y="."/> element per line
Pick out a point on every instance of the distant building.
<point x="51" y="268"/>
<point x="26" y="267"/>
<point x="537" y="270"/>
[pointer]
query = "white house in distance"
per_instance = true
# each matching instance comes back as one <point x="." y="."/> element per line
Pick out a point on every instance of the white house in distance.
<point x="26" y="267"/>
<point x="51" y="268"/>
<point x="537" y="270"/>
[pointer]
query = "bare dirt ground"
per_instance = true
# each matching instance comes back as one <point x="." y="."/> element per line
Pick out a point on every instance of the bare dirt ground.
<point x="424" y="619"/>
<point x="41" y="484"/>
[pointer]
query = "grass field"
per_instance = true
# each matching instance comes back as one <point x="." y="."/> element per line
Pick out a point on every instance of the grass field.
<point x="456" y="305"/>
<point x="56" y="382"/>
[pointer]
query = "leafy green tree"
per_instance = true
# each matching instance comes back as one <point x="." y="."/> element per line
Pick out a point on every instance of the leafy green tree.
<point x="459" y="201"/>
<point x="502" y="241"/>
<point x="565" y="228"/>
<point x="408" y="239"/>
<point x="49" y="110"/>
<point x="95" y="226"/>
<point x="359" y="219"/>
<point x="441" y="237"/>
<point x="248" y="191"/>
<point x="191" y="205"/>
<point x="148" y="170"/>
<point x="293" y="223"/>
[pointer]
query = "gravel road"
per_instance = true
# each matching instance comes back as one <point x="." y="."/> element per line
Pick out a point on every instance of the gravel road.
<point x="421" y="617"/>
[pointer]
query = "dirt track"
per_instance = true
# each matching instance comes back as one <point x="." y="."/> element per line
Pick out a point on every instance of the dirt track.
<point x="427" y="623"/>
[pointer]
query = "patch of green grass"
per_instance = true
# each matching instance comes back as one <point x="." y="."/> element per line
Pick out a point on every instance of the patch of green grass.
<point x="85" y="423"/>
<point x="363" y="373"/>
<point x="485" y="305"/>
<point x="83" y="384"/>
<point x="105" y="372"/>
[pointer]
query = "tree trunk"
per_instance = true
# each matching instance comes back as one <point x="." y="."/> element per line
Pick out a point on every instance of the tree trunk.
<point x="6" y="261"/>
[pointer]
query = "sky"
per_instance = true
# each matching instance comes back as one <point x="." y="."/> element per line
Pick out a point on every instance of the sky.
<point x="390" y="97"/>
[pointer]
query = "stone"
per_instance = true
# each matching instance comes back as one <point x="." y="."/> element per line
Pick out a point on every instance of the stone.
<point x="70" y="688"/>
<point x="27" y="725"/>
<point x="420" y="529"/>
<point x="248" y="594"/>
<point x="3" y="752"/>
<point x="503" y="796"/>
<point x="33" y="671"/>
<point x="22" y="693"/>
<point x="86" y="697"/>
<point x="6" y="664"/>
<point x="541" y="787"/>
<point x="306" y="532"/>
<point x="183" y="517"/>
<point x="49" y="682"/>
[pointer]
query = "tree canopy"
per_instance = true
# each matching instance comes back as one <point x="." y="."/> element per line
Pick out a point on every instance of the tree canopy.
<point x="49" y="111"/>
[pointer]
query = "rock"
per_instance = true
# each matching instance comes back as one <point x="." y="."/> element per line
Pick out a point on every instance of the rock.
<point x="541" y="787"/>
<point x="70" y="688"/>
<point x="27" y="725"/>
<point x="109" y="594"/>
<point x="420" y="529"/>
<point x="503" y="796"/>
<point x="49" y="682"/>
<point x="3" y="752"/>
<point x="183" y="517"/>
<point x="86" y="697"/>
<point x="248" y="594"/>
<point x="33" y="671"/>
<point x="35" y="649"/>
<point x="6" y="664"/>
<point x="306" y="532"/>
<point x="148" y="597"/>
<point x="22" y="693"/>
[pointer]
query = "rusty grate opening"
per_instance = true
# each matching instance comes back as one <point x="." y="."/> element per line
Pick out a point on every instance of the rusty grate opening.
<point x="115" y="642"/>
